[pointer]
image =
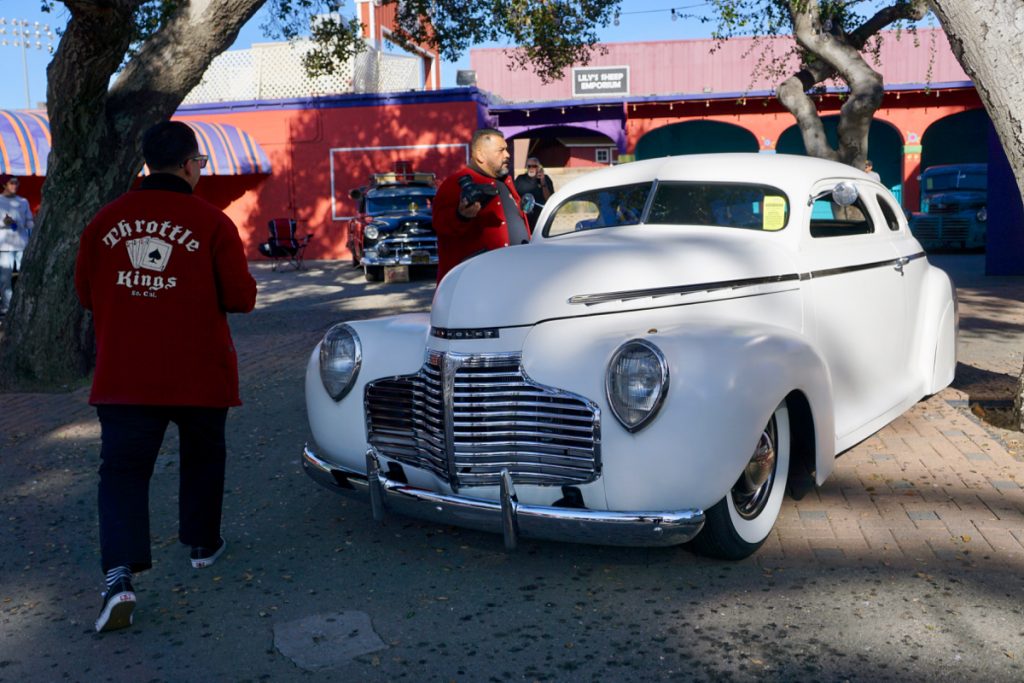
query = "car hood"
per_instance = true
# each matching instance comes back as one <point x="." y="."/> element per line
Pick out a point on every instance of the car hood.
<point x="956" y="197"/>
<point x="392" y="221"/>
<point x="605" y="271"/>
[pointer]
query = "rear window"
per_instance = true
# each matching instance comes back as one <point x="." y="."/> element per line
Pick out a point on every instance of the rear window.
<point x="727" y="205"/>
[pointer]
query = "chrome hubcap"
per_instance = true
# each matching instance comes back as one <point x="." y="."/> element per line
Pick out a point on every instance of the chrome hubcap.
<point x="751" y="491"/>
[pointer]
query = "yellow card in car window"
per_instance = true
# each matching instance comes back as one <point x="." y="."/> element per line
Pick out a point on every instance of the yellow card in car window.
<point x="774" y="213"/>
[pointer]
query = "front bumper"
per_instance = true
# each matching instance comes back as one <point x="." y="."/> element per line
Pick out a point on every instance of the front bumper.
<point x="508" y="517"/>
<point x="402" y="260"/>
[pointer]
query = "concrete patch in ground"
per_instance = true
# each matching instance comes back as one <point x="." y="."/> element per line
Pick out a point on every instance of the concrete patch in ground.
<point x="323" y="641"/>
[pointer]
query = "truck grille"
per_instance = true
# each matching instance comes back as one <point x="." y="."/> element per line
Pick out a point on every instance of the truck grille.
<point x="466" y="418"/>
<point x="940" y="228"/>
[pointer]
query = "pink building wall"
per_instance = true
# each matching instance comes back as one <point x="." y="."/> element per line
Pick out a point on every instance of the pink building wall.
<point x="689" y="66"/>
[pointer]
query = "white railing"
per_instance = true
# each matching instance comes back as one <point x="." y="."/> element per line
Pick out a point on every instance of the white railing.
<point x="272" y="71"/>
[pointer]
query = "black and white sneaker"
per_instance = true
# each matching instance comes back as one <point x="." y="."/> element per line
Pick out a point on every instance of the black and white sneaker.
<point x="118" y="605"/>
<point x="205" y="557"/>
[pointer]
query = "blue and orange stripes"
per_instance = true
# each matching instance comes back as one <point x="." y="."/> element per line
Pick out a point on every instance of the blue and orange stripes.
<point x="25" y="145"/>
<point x="232" y="151"/>
<point x="24" y="142"/>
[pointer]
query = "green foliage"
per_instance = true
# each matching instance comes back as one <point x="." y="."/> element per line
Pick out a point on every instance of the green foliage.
<point x="150" y="16"/>
<point x="548" y="35"/>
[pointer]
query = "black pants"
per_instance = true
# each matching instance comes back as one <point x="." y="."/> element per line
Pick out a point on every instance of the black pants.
<point x="131" y="439"/>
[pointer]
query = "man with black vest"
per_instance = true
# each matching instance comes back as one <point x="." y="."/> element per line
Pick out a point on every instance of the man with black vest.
<point x="477" y="208"/>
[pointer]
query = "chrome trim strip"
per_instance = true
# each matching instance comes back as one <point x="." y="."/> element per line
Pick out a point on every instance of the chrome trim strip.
<point x="628" y="295"/>
<point x="828" y="272"/>
<point x="508" y="516"/>
<point x="450" y="362"/>
<point x="645" y="214"/>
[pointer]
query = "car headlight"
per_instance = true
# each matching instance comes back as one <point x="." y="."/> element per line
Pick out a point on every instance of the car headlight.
<point x="370" y="232"/>
<point x="982" y="214"/>
<point x="636" y="383"/>
<point x="340" y="358"/>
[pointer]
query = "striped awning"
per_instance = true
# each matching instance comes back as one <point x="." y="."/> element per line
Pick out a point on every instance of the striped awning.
<point x="232" y="151"/>
<point x="25" y="146"/>
<point x="24" y="142"/>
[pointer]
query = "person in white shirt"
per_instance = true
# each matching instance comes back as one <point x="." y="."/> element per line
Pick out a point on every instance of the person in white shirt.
<point x="15" y="228"/>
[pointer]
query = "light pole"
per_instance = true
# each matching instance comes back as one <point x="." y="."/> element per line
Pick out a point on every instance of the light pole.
<point x="26" y="35"/>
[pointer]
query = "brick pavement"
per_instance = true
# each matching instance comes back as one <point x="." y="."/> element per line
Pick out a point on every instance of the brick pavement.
<point x="943" y="483"/>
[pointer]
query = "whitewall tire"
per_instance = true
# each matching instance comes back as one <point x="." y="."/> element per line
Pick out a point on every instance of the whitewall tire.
<point x="738" y="524"/>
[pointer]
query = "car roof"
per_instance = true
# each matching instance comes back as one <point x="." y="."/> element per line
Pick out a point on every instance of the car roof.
<point x="950" y="168"/>
<point x="789" y="172"/>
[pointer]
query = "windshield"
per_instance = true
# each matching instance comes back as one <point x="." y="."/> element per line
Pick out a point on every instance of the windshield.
<point x="753" y="207"/>
<point x="398" y="202"/>
<point x="604" y="208"/>
<point x="956" y="180"/>
<point x="727" y="205"/>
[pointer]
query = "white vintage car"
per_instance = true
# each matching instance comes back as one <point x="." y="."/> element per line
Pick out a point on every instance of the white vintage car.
<point x="684" y="340"/>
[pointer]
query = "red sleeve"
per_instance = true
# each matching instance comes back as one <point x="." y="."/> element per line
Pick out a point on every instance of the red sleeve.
<point x="446" y="218"/>
<point x="235" y="284"/>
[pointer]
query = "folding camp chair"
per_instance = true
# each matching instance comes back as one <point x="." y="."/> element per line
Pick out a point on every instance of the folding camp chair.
<point x="284" y="245"/>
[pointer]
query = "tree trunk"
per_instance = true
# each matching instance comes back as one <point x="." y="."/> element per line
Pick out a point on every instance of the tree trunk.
<point x="834" y="53"/>
<point x="95" y="155"/>
<point x="986" y="38"/>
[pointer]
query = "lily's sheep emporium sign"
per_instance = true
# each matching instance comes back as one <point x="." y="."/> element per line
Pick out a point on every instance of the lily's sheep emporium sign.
<point x="600" y="80"/>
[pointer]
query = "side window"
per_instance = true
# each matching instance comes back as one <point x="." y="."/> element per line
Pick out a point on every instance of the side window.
<point x="888" y="213"/>
<point x="829" y="219"/>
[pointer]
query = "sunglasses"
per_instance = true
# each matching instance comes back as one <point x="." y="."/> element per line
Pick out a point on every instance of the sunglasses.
<point x="532" y="166"/>
<point x="201" y="159"/>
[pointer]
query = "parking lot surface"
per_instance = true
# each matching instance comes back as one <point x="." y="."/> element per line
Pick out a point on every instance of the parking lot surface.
<point x="906" y="565"/>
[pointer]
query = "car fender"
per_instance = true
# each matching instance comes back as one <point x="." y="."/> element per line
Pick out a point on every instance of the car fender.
<point x="390" y="346"/>
<point x="938" y="328"/>
<point x="725" y="380"/>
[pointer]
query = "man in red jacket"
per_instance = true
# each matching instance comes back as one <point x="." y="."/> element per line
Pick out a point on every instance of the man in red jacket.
<point x="466" y="228"/>
<point x="160" y="269"/>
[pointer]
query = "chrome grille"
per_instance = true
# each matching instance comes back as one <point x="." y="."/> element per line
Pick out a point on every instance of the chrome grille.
<point x="466" y="418"/>
<point x="404" y="246"/>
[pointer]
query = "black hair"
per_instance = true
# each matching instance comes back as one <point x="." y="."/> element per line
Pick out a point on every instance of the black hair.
<point x="482" y="133"/>
<point x="168" y="144"/>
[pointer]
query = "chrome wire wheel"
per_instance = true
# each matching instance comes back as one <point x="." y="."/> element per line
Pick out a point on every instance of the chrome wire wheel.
<point x="742" y="520"/>
<point x="751" y="492"/>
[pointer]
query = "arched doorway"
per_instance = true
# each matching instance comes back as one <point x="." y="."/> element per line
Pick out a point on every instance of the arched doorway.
<point x="695" y="137"/>
<point x="885" y="148"/>
<point x="956" y="139"/>
<point x="566" y="152"/>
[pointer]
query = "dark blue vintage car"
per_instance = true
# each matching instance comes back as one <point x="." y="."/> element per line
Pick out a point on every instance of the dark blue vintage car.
<point x="953" y="207"/>
<point x="393" y="227"/>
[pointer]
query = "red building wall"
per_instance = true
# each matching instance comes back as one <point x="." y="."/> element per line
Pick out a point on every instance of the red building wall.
<point x="321" y="149"/>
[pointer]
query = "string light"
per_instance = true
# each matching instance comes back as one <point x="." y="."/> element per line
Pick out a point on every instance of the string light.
<point x="675" y="12"/>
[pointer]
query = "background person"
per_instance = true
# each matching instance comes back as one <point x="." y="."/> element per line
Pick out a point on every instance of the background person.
<point x="869" y="168"/>
<point x="537" y="184"/>
<point x="15" y="228"/>
<point x="160" y="269"/>
<point x="465" y="229"/>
